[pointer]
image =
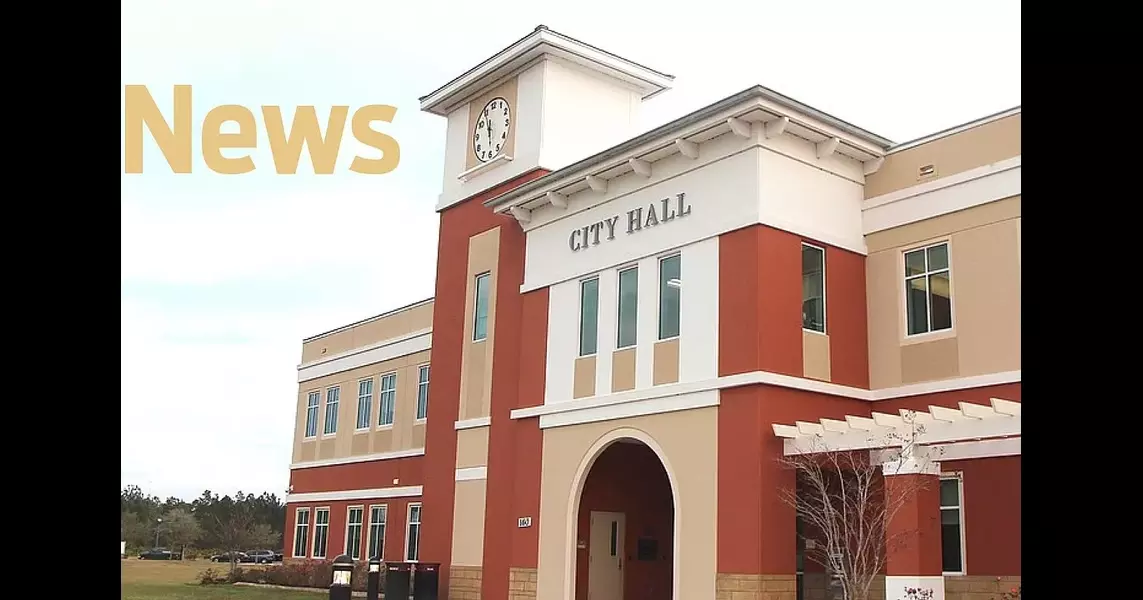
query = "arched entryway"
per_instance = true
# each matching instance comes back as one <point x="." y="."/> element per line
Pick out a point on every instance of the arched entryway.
<point x="625" y="525"/>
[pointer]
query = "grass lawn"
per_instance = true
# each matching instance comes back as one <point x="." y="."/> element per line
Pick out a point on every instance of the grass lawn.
<point x="178" y="580"/>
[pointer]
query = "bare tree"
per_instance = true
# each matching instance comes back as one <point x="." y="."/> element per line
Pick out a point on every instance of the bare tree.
<point x="237" y="528"/>
<point x="841" y="496"/>
<point x="182" y="529"/>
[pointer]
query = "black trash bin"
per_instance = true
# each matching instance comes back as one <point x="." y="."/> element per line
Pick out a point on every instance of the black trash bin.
<point x="426" y="580"/>
<point x="397" y="580"/>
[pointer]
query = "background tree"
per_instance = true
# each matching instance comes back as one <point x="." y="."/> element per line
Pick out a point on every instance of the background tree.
<point x="133" y="530"/>
<point x="181" y="528"/>
<point x="233" y="524"/>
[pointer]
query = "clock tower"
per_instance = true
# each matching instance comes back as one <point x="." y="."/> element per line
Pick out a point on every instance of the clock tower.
<point x="544" y="102"/>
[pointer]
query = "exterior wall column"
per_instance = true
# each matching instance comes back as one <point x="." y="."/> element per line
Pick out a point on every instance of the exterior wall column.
<point x="913" y="535"/>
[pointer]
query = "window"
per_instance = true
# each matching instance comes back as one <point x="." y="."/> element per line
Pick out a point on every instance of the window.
<point x="588" y="316"/>
<point x="388" y="398"/>
<point x="353" y="524"/>
<point x="377" y="515"/>
<point x="928" y="290"/>
<point x="813" y="288"/>
<point x="628" y="307"/>
<point x="312" y="413"/>
<point x="480" y="316"/>
<point x="364" y="402"/>
<point x="301" y="532"/>
<point x="331" y="401"/>
<point x="670" y="273"/>
<point x="423" y="392"/>
<point x="413" y="535"/>
<point x="952" y="534"/>
<point x="321" y="532"/>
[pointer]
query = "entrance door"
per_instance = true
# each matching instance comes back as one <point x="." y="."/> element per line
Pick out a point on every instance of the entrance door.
<point x="605" y="556"/>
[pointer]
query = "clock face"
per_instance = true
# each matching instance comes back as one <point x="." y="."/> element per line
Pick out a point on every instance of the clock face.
<point x="490" y="134"/>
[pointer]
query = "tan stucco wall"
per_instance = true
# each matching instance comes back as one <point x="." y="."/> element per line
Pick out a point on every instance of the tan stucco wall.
<point x="404" y="434"/>
<point x="981" y="145"/>
<point x="815" y="355"/>
<point x="394" y="324"/>
<point x="476" y="356"/>
<point x="472" y="447"/>
<point x="687" y="442"/>
<point x="984" y="247"/>
<point x="468" y="523"/>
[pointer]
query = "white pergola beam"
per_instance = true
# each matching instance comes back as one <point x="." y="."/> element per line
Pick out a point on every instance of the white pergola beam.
<point x="597" y="184"/>
<point x="785" y="431"/>
<point x="835" y="426"/>
<point x="949" y="415"/>
<point x="640" y="166"/>
<point x="977" y="411"/>
<point x="687" y="149"/>
<point x="1005" y="407"/>
<point x="739" y="127"/>
<point x="805" y="428"/>
<point x="776" y="127"/>
<point x="521" y="214"/>
<point x="827" y="147"/>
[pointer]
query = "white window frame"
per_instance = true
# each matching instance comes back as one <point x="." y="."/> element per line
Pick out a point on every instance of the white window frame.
<point x="619" y="304"/>
<point x="369" y="407"/>
<point x="314" y="543"/>
<point x="957" y="476"/>
<point x="384" y="521"/>
<point x="422" y="412"/>
<point x="360" y="531"/>
<point x="325" y="432"/>
<point x="476" y="305"/>
<point x="298" y="512"/>
<point x="381" y="400"/>
<point x="316" y="408"/>
<point x="825" y="317"/>
<point x="579" y="330"/>
<point x="409" y="528"/>
<point x="904" y="289"/>
<point x="659" y="299"/>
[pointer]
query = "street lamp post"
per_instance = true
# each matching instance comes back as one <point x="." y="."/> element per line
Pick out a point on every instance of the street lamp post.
<point x="158" y="523"/>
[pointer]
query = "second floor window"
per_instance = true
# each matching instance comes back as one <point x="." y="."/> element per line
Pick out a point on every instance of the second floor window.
<point x="628" y="307"/>
<point x="588" y="316"/>
<point x="423" y="392"/>
<point x="670" y="284"/>
<point x="332" y="396"/>
<point x="312" y="413"/>
<point x="388" y="398"/>
<point x="928" y="289"/>
<point x="364" y="402"/>
<point x="813" y="288"/>
<point x="480" y="308"/>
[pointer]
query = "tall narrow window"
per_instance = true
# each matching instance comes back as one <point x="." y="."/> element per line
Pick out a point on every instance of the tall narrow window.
<point x="588" y="316"/>
<point x="377" y="516"/>
<point x="928" y="290"/>
<point x="332" y="396"/>
<point x="423" y="392"/>
<point x="388" y="398"/>
<point x="480" y="312"/>
<point x="312" y="413"/>
<point x="813" y="288"/>
<point x="628" y="307"/>
<point x="670" y="282"/>
<point x="952" y="540"/>
<point x="301" y="532"/>
<point x="364" y="402"/>
<point x="321" y="532"/>
<point x="413" y="533"/>
<point x="353" y="525"/>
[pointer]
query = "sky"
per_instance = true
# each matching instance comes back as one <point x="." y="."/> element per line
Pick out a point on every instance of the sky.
<point x="223" y="275"/>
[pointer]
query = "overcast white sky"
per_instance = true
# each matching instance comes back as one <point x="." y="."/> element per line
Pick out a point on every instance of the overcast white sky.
<point x="222" y="276"/>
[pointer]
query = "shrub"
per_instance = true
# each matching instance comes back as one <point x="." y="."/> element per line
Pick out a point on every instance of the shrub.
<point x="212" y="577"/>
<point x="1012" y="594"/>
<point x="308" y="574"/>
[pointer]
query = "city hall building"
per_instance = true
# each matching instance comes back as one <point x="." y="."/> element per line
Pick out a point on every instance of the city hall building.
<point x="630" y="330"/>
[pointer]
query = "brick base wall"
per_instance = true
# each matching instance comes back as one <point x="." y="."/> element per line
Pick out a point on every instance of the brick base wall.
<point x="736" y="586"/>
<point x="464" y="583"/>
<point x="978" y="587"/>
<point x="521" y="584"/>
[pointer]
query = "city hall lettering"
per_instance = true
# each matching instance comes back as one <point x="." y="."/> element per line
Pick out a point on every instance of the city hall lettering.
<point x="638" y="219"/>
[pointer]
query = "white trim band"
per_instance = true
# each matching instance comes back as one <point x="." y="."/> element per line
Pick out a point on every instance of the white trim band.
<point x="418" y="341"/>
<point x="472" y="473"/>
<point x="407" y="491"/>
<point x="358" y="459"/>
<point x="473" y="423"/>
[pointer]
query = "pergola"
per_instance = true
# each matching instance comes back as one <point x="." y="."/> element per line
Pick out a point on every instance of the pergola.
<point x="969" y="431"/>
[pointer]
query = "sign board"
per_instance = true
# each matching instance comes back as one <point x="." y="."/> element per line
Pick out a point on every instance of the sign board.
<point x="638" y="219"/>
<point x="524" y="522"/>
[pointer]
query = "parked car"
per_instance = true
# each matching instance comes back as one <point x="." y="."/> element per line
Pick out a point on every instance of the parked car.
<point x="277" y="557"/>
<point x="226" y="557"/>
<point x="160" y="554"/>
<point x="259" y="557"/>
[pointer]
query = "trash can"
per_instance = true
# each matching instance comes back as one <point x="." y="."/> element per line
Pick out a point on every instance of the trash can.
<point x="426" y="580"/>
<point x="397" y="580"/>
